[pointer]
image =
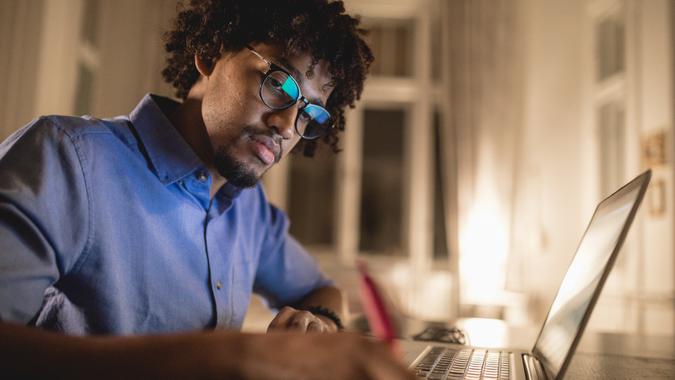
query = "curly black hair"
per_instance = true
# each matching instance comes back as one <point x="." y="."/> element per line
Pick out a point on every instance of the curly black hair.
<point x="320" y="28"/>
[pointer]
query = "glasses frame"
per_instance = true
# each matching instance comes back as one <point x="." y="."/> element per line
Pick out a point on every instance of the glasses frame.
<point x="271" y="68"/>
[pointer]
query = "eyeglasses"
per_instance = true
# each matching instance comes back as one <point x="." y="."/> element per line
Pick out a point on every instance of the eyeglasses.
<point x="280" y="91"/>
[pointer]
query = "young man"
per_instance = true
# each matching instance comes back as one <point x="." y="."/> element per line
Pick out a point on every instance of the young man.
<point x="155" y="223"/>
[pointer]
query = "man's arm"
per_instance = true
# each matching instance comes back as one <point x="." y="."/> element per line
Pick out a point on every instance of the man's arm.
<point x="312" y="313"/>
<point x="328" y="296"/>
<point x="30" y="353"/>
<point x="290" y="279"/>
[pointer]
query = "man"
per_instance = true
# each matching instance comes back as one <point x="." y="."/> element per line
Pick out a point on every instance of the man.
<point x="153" y="226"/>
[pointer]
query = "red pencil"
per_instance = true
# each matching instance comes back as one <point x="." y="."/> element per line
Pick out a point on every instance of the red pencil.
<point x="378" y="317"/>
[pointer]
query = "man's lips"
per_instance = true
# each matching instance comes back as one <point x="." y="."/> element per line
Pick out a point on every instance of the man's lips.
<point x="267" y="150"/>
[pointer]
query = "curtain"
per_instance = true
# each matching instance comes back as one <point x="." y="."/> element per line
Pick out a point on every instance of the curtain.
<point x="482" y="55"/>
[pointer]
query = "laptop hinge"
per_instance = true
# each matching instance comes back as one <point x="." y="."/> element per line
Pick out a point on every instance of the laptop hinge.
<point x="533" y="369"/>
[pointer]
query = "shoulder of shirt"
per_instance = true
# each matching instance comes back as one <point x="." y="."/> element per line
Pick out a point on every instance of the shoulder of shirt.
<point x="251" y="196"/>
<point x="256" y="195"/>
<point x="78" y="127"/>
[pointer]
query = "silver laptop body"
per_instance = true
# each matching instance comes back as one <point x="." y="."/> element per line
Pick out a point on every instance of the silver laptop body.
<point x="568" y="315"/>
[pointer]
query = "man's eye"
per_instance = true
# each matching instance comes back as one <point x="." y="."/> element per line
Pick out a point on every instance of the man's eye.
<point x="275" y="83"/>
<point x="305" y="116"/>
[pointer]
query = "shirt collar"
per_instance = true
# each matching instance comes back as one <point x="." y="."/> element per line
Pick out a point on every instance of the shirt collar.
<point x="170" y="155"/>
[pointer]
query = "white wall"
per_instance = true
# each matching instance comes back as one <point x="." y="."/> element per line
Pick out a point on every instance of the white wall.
<point x="655" y="110"/>
<point x="547" y="222"/>
<point x="559" y="170"/>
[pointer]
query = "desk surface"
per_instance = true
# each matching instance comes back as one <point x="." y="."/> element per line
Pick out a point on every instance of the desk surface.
<point x="599" y="355"/>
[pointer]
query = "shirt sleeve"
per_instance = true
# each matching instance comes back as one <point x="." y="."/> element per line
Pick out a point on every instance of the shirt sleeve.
<point x="286" y="272"/>
<point x="43" y="215"/>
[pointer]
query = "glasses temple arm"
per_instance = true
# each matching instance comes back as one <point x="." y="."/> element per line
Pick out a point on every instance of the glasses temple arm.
<point x="269" y="64"/>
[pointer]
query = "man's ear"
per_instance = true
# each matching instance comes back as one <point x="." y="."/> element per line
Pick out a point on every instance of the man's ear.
<point x="205" y="69"/>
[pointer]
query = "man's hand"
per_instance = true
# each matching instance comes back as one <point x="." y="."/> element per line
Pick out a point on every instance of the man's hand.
<point x="319" y="356"/>
<point x="30" y="353"/>
<point x="290" y="319"/>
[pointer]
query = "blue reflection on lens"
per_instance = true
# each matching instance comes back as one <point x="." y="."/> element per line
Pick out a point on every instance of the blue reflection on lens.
<point x="290" y="88"/>
<point x="317" y="114"/>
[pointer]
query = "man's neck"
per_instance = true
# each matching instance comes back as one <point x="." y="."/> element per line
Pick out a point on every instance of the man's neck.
<point x="217" y="182"/>
<point x="187" y="120"/>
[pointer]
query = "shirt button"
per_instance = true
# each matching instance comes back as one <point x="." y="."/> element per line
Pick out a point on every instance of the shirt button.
<point x="201" y="176"/>
<point x="219" y="285"/>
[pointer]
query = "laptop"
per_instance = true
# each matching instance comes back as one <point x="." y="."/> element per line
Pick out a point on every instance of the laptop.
<point x="568" y="314"/>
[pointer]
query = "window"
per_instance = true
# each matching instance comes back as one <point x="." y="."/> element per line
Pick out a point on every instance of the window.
<point x="382" y="182"/>
<point x="88" y="57"/>
<point x="391" y="42"/>
<point x="89" y="33"/>
<point x="381" y="197"/>
<point x="611" y="134"/>
<point x="311" y="197"/>
<point x="610" y="97"/>
<point x="84" y="88"/>
<point x="440" y="246"/>
<point x="610" y="46"/>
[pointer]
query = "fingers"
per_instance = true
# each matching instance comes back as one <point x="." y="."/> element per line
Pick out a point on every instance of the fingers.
<point x="281" y="320"/>
<point x="300" y="320"/>
<point x="320" y="356"/>
<point x="290" y="319"/>
<point x="315" y="326"/>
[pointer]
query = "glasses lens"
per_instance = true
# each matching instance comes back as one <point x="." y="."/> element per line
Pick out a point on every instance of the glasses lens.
<point x="279" y="90"/>
<point x="313" y="122"/>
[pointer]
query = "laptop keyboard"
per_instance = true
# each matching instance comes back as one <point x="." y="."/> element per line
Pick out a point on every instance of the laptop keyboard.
<point x="468" y="363"/>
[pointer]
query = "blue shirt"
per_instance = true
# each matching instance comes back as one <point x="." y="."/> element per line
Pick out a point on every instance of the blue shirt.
<point x="107" y="227"/>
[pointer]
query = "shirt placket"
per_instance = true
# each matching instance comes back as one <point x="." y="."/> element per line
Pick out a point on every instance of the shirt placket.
<point x="199" y="186"/>
<point x="220" y="286"/>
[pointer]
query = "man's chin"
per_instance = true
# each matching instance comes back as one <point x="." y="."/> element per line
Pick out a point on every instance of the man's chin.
<point x="236" y="172"/>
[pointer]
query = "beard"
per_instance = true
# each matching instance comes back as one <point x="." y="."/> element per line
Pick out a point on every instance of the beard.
<point x="234" y="171"/>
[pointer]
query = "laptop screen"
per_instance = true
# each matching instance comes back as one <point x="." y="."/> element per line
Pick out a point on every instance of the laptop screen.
<point x="584" y="278"/>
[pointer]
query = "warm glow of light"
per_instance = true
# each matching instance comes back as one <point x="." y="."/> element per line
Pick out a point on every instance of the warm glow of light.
<point x="483" y="249"/>
<point x="485" y="332"/>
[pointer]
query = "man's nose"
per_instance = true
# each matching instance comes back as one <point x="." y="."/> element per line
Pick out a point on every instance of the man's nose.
<point x="283" y="121"/>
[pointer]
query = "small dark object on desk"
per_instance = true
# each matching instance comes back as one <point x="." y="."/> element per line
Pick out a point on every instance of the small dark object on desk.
<point x="442" y="334"/>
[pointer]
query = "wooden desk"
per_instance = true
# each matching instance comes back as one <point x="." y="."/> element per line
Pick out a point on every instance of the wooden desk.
<point x="599" y="355"/>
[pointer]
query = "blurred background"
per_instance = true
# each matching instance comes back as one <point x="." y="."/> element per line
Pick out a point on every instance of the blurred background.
<point x="487" y="133"/>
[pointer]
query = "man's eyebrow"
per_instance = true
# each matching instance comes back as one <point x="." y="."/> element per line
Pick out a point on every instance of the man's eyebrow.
<point x="285" y="64"/>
